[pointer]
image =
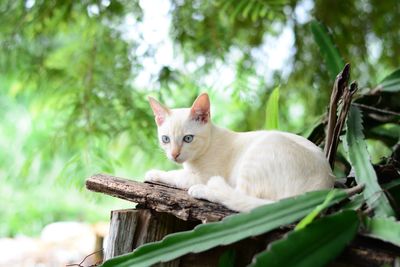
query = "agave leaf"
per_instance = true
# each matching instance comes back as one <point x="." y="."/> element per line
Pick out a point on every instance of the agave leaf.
<point x="272" y="111"/>
<point x="333" y="60"/>
<point x="315" y="245"/>
<point x="386" y="229"/>
<point x="391" y="83"/>
<point x="365" y="173"/>
<point x="229" y="230"/>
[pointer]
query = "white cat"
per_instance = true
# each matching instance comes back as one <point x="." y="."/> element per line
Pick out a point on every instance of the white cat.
<point x="239" y="170"/>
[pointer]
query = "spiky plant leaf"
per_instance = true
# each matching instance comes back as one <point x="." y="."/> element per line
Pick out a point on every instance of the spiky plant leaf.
<point x="386" y="229"/>
<point x="227" y="231"/>
<point x="313" y="214"/>
<point x="333" y="60"/>
<point x="360" y="160"/>
<point x="315" y="245"/>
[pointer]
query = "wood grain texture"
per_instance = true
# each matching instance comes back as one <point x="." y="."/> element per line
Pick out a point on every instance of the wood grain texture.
<point x="123" y="225"/>
<point x="153" y="224"/>
<point x="158" y="197"/>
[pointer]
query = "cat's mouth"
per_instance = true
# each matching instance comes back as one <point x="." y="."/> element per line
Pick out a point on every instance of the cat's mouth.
<point x="178" y="160"/>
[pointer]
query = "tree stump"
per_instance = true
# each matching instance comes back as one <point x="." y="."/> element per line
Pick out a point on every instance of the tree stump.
<point x="123" y="225"/>
<point x="132" y="228"/>
<point x="162" y="210"/>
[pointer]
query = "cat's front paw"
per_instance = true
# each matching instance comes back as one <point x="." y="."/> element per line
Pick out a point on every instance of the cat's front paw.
<point x="154" y="176"/>
<point x="201" y="191"/>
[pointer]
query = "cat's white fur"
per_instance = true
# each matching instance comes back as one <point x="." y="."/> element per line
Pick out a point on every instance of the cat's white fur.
<point x="239" y="170"/>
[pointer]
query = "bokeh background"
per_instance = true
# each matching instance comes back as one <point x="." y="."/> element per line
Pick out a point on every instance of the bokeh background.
<point x="74" y="77"/>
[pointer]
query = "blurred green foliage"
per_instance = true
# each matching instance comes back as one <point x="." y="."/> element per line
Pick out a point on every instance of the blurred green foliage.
<point x="70" y="104"/>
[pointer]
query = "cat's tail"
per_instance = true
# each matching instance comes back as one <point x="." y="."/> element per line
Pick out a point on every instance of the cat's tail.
<point x="219" y="191"/>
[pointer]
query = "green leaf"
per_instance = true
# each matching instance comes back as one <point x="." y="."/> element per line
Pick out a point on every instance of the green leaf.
<point x="391" y="83"/>
<point x="272" y="111"/>
<point x="313" y="214"/>
<point x="365" y="173"/>
<point x="315" y="245"/>
<point x="388" y="131"/>
<point x="248" y="8"/>
<point x="386" y="229"/>
<point x="333" y="60"/>
<point x="229" y="230"/>
<point x="239" y="7"/>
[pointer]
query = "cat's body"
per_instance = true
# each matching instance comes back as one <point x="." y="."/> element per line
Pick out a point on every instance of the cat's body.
<point x="239" y="170"/>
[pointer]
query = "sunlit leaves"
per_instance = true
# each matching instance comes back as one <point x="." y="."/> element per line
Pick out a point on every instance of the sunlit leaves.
<point x="254" y="9"/>
<point x="212" y="28"/>
<point x="272" y="111"/>
<point x="332" y="57"/>
<point x="73" y="65"/>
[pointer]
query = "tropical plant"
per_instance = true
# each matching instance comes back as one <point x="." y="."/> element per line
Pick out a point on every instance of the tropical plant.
<point x="317" y="238"/>
<point x="71" y="104"/>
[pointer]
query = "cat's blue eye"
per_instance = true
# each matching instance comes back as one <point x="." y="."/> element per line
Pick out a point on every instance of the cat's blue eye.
<point x="165" y="139"/>
<point x="188" y="138"/>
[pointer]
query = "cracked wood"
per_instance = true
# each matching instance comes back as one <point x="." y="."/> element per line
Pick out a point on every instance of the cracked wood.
<point x="159" y="197"/>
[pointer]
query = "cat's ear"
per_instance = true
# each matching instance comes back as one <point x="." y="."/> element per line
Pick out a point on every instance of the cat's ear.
<point x="160" y="111"/>
<point x="200" y="110"/>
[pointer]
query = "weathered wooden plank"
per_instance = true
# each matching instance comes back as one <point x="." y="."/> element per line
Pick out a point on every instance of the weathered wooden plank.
<point x="161" y="198"/>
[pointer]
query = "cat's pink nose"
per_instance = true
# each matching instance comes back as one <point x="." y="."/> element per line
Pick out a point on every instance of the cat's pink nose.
<point x="175" y="155"/>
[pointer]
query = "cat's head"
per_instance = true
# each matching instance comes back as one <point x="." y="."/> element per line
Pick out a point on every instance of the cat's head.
<point x="183" y="133"/>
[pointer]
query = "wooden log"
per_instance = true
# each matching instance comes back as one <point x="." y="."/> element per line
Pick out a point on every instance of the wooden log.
<point x="152" y="226"/>
<point x="123" y="224"/>
<point x="161" y="198"/>
<point x="132" y="228"/>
